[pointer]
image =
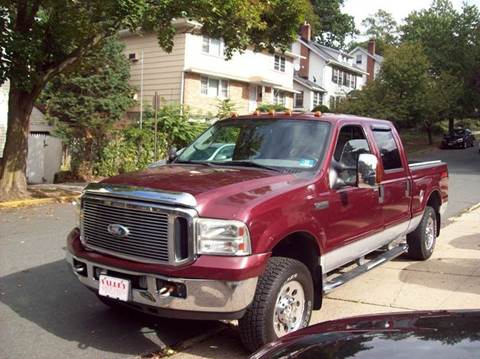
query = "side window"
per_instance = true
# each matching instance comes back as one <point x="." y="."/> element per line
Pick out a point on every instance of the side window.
<point x="388" y="149"/>
<point x="350" y="144"/>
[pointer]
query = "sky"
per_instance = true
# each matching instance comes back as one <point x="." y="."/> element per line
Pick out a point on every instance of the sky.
<point x="360" y="9"/>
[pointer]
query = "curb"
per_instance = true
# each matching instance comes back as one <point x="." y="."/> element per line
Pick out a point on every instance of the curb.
<point x="37" y="201"/>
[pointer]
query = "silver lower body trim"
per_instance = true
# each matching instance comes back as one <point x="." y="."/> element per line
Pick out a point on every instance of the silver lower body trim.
<point x="351" y="252"/>
<point x="213" y="296"/>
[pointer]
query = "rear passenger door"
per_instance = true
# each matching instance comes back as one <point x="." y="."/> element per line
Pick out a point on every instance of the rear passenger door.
<point x="394" y="190"/>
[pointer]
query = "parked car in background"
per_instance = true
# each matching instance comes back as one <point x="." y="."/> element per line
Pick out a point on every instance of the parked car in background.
<point x="253" y="220"/>
<point x="459" y="138"/>
<point x="432" y="334"/>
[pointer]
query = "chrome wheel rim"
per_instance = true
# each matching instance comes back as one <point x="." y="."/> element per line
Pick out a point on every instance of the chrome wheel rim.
<point x="289" y="308"/>
<point x="430" y="232"/>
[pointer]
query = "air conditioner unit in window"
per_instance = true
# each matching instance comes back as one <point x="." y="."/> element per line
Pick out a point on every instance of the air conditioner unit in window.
<point x="133" y="57"/>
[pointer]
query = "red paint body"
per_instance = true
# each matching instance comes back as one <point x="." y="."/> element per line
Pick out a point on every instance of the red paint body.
<point x="275" y="205"/>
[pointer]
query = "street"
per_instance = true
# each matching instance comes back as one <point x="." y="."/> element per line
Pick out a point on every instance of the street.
<point x="46" y="313"/>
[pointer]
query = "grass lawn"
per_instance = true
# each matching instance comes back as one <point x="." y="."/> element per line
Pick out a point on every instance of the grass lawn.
<point x="416" y="141"/>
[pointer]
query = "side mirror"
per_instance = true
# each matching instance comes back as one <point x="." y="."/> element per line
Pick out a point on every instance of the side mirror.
<point x="368" y="171"/>
<point x="172" y="154"/>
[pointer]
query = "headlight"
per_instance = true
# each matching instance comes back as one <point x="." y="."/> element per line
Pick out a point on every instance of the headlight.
<point x="222" y="237"/>
<point x="460" y="140"/>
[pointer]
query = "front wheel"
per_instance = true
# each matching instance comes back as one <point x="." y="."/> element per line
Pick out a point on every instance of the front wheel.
<point x="421" y="241"/>
<point x="282" y="304"/>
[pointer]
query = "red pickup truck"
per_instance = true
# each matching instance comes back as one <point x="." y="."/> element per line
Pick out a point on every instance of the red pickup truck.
<point x="255" y="218"/>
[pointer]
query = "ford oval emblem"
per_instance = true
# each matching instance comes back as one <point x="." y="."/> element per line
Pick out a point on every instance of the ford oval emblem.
<point x="118" y="230"/>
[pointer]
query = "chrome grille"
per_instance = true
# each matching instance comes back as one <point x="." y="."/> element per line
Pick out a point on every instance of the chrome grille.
<point x="150" y="229"/>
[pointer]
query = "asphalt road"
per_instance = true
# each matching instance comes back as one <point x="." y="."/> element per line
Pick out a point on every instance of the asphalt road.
<point x="46" y="313"/>
<point x="464" y="177"/>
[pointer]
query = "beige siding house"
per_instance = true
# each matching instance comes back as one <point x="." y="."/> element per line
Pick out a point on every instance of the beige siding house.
<point x="197" y="74"/>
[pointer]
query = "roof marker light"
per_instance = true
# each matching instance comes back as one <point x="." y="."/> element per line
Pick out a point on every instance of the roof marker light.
<point x="317" y="114"/>
<point x="234" y="114"/>
<point x="288" y="112"/>
<point x="271" y="112"/>
<point x="256" y="113"/>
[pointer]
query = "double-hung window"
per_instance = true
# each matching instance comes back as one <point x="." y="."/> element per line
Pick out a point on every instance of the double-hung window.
<point x="299" y="100"/>
<point x="279" y="97"/>
<point x="317" y="98"/>
<point x="214" y="87"/>
<point x="212" y="46"/>
<point x="279" y="63"/>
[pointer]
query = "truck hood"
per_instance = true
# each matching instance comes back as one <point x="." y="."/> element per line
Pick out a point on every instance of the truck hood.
<point x="222" y="192"/>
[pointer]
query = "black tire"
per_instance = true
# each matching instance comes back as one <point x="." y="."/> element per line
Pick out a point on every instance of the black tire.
<point x="420" y="244"/>
<point x="257" y="325"/>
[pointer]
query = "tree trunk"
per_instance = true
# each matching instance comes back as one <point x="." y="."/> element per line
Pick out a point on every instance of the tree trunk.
<point x="451" y="124"/>
<point x="13" y="181"/>
<point x="430" y="137"/>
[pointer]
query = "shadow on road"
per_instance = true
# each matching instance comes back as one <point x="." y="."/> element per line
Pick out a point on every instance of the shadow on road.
<point x="52" y="298"/>
<point x="454" y="267"/>
<point x="471" y="241"/>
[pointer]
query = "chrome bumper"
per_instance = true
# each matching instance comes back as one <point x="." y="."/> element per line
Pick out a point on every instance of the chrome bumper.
<point x="202" y="296"/>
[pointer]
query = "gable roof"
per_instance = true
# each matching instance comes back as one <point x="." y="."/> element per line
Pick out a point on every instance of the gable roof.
<point x="321" y="51"/>
<point x="308" y="84"/>
<point x="378" y="58"/>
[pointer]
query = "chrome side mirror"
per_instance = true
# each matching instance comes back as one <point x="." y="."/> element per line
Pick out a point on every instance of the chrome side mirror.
<point x="367" y="171"/>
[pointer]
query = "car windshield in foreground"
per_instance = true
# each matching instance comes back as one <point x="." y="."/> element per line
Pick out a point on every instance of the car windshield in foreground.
<point x="264" y="143"/>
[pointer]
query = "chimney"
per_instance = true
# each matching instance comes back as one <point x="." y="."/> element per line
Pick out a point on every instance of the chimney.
<point x="370" y="60"/>
<point x="306" y="32"/>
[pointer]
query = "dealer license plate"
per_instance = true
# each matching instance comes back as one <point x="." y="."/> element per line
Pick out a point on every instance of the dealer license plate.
<point x="115" y="288"/>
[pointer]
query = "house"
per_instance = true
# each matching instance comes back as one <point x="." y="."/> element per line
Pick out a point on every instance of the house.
<point x="197" y="74"/>
<point x="367" y="60"/>
<point x="323" y="76"/>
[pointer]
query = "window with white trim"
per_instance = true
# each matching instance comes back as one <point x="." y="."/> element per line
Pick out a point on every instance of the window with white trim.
<point x="299" y="100"/>
<point x="214" y="87"/>
<point x="279" y="63"/>
<point x="344" y="78"/>
<point x="359" y="59"/>
<point x="279" y="97"/>
<point x="317" y="98"/>
<point x="212" y="46"/>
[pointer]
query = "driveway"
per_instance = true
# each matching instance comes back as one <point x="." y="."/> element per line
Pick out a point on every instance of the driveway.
<point x="46" y="313"/>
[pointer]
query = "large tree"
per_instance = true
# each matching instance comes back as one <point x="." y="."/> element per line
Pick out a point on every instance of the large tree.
<point x="84" y="104"/>
<point x="41" y="39"/>
<point x="331" y="26"/>
<point x="451" y="40"/>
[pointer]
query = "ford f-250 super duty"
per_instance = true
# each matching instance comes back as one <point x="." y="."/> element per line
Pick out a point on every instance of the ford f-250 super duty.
<point x="253" y="220"/>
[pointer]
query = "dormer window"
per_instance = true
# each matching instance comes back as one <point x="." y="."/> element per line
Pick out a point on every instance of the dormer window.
<point x="279" y="63"/>
<point x="359" y="59"/>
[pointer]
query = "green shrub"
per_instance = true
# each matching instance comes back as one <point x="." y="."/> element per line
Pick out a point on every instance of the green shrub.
<point x="321" y="108"/>
<point x="265" y="107"/>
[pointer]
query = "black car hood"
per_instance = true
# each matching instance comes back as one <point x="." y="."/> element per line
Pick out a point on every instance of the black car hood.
<point x="400" y="336"/>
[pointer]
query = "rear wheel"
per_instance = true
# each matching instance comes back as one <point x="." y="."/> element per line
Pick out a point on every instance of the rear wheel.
<point x="421" y="242"/>
<point x="282" y="304"/>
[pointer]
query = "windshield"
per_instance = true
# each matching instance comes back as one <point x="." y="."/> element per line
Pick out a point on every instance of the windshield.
<point x="280" y="144"/>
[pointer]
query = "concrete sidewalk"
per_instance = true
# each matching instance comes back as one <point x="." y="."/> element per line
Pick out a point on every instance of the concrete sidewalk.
<point x="450" y="279"/>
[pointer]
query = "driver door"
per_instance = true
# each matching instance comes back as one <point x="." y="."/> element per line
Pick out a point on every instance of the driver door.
<point x="354" y="213"/>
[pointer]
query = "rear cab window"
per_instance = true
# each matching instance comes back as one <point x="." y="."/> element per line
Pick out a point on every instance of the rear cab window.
<point x="388" y="148"/>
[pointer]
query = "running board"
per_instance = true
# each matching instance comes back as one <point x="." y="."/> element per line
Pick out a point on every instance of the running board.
<point x="328" y="286"/>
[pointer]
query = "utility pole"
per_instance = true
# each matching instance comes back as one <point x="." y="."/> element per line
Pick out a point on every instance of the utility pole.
<point x="156" y="106"/>
<point x="141" y="92"/>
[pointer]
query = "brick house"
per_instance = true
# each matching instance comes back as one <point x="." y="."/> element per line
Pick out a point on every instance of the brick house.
<point x="197" y="74"/>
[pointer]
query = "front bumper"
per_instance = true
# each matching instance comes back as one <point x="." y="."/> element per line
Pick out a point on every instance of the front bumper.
<point x="204" y="299"/>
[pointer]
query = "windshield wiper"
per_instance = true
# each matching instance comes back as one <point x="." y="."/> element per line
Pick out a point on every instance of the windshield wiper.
<point x="248" y="164"/>
<point x="208" y="164"/>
